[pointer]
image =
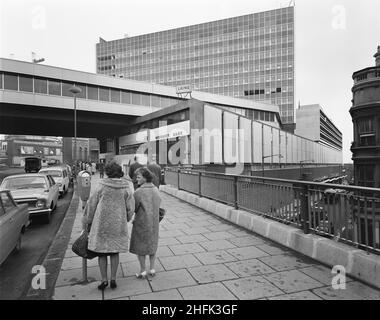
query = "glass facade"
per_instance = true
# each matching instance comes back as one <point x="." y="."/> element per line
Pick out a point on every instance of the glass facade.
<point x="250" y="56"/>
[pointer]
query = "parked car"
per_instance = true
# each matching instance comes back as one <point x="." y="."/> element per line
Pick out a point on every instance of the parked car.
<point x="14" y="219"/>
<point x="33" y="164"/>
<point x="60" y="176"/>
<point x="39" y="191"/>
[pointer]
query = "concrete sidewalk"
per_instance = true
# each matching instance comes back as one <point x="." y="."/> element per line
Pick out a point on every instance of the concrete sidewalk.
<point x="203" y="257"/>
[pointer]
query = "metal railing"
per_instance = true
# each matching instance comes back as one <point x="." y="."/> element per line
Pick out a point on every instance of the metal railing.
<point x="349" y="214"/>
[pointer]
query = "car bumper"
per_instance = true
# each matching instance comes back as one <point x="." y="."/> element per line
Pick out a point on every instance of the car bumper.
<point x="39" y="212"/>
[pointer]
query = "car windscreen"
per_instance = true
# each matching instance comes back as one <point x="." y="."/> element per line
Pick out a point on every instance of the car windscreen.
<point x="24" y="183"/>
<point x="53" y="173"/>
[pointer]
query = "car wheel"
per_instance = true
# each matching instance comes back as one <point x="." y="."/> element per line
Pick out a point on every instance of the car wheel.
<point x="18" y="244"/>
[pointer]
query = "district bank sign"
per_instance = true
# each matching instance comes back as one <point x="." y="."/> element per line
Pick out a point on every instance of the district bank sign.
<point x="171" y="131"/>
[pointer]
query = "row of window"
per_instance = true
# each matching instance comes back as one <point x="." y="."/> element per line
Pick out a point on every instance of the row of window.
<point x="258" y="42"/>
<point x="31" y="150"/>
<point x="25" y="83"/>
<point x="224" y="32"/>
<point x="212" y="56"/>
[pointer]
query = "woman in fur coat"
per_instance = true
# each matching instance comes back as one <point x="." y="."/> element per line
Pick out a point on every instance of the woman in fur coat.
<point x="108" y="210"/>
<point x="144" y="237"/>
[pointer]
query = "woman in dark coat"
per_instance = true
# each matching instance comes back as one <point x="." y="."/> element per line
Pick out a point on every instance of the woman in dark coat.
<point x="144" y="238"/>
<point x="108" y="210"/>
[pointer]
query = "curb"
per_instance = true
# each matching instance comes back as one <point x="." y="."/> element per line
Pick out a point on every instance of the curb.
<point x="358" y="263"/>
<point x="54" y="258"/>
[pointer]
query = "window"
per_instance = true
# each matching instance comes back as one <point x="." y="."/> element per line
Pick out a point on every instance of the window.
<point x="58" y="152"/>
<point x="366" y="132"/>
<point x="366" y="175"/>
<point x="40" y="85"/>
<point x="104" y="94"/>
<point x="10" y="81"/>
<point x="115" y="95"/>
<point x="81" y="94"/>
<point x="66" y="89"/>
<point x="125" y="97"/>
<point x="26" y="150"/>
<point x="26" y="83"/>
<point x="145" y="99"/>
<point x="136" y="98"/>
<point x="54" y="87"/>
<point x="1" y="80"/>
<point x="92" y="92"/>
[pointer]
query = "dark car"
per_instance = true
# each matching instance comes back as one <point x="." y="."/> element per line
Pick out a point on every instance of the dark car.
<point x="33" y="164"/>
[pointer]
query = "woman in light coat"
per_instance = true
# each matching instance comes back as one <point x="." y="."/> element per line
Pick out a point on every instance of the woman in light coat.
<point x="108" y="210"/>
<point x="144" y="238"/>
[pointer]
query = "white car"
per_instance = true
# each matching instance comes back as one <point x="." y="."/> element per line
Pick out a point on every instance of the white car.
<point x="60" y="176"/>
<point x="14" y="219"/>
<point x="39" y="191"/>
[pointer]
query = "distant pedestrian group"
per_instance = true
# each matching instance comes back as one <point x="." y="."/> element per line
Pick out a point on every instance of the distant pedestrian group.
<point x="118" y="200"/>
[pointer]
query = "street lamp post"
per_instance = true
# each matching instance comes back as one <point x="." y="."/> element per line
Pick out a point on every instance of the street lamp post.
<point x="271" y="156"/>
<point x="75" y="90"/>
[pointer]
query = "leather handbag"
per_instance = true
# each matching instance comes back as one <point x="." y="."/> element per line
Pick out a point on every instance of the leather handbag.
<point x="162" y="213"/>
<point x="80" y="246"/>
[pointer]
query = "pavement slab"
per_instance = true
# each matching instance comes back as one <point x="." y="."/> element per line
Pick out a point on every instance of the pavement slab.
<point x="211" y="291"/>
<point x="217" y="245"/>
<point x="186" y="248"/>
<point x="246" y="241"/>
<point x="172" y="279"/>
<point x="219" y="235"/>
<point x="247" y="253"/>
<point x="252" y="288"/>
<point x="126" y="287"/>
<point x="171" y="294"/>
<point x="292" y="281"/>
<point x="191" y="238"/>
<point x="247" y="268"/>
<point x="78" y="292"/>
<point x="212" y="273"/>
<point x="133" y="267"/>
<point x="215" y="257"/>
<point x="303" y="295"/>
<point x="285" y="262"/>
<point x="179" y="262"/>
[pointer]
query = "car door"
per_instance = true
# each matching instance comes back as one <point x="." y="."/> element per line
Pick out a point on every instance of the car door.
<point x="8" y="225"/>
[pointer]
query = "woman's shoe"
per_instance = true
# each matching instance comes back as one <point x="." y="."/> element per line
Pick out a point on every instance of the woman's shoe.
<point x="152" y="272"/>
<point x="103" y="285"/>
<point x="113" y="284"/>
<point x="141" y="275"/>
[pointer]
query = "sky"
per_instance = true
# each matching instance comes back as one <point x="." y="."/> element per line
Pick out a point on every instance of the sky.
<point x="333" y="38"/>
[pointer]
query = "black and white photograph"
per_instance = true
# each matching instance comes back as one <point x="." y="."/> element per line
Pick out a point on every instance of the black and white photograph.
<point x="201" y="152"/>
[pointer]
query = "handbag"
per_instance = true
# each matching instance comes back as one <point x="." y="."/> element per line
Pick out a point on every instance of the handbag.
<point x="80" y="247"/>
<point x="162" y="213"/>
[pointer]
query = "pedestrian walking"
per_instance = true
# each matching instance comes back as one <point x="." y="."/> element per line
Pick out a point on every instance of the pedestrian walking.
<point x="145" y="229"/>
<point x="93" y="168"/>
<point x="101" y="170"/>
<point x="156" y="170"/>
<point x="132" y="169"/>
<point x="107" y="212"/>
